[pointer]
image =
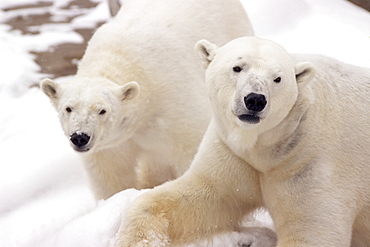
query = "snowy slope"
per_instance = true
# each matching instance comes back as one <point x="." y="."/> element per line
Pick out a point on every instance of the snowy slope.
<point x="44" y="196"/>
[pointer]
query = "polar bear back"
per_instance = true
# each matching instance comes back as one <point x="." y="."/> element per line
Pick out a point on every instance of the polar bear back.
<point x="179" y="20"/>
<point x="151" y="33"/>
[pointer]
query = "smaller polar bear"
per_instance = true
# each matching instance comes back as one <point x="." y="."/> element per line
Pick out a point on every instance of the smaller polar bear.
<point x="137" y="108"/>
<point x="290" y="133"/>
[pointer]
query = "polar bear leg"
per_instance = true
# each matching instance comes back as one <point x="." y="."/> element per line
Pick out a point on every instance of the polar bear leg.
<point x="310" y="218"/>
<point x="361" y="229"/>
<point x="112" y="170"/>
<point x="317" y="234"/>
<point x="154" y="169"/>
<point x="212" y="196"/>
<point x="151" y="172"/>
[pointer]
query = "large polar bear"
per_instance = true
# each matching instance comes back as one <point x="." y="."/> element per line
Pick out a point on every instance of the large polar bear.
<point x="137" y="107"/>
<point x="289" y="133"/>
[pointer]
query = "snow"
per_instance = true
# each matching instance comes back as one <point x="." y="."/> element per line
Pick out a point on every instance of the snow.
<point x="44" y="195"/>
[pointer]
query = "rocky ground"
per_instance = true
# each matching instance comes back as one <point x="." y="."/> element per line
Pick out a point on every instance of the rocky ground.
<point x="59" y="60"/>
<point x="362" y="3"/>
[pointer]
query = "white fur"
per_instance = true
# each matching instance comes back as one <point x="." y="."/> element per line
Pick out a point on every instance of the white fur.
<point x="306" y="160"/>
<point x="141" y="70"/>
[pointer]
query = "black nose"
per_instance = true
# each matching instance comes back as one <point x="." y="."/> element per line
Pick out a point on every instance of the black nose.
<point x="255" y="102"/>
<point x="80" y="140"/>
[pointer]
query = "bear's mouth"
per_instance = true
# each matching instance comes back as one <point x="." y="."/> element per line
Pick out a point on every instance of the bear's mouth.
<point x="249" y="118"/>
<point x="81" y="150"/>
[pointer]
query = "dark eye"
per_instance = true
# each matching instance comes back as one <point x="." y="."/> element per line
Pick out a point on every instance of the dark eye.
<point x="102" y="112"/>
<point x="68" y="109"/>
<point x="237" y="69"/>
<point x="277" y="80"/>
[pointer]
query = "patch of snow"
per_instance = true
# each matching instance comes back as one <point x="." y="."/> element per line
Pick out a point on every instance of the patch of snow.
<point x="98" y="15"/>
<point x="19" y="69"/>
<point x="6" y="4"/>
<point x="334" y="28"/>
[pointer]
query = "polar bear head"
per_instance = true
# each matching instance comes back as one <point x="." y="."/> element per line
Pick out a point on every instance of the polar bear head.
<point x="94" y="113"/>
<point x="252" y="82"/>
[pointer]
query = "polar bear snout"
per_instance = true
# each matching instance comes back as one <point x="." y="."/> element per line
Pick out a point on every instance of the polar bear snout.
<point x="255" y="102"/>
<point x="80" y="140"/>
<point x="251" y="108"/>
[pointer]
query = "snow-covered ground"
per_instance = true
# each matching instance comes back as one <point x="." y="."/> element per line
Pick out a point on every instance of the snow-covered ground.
<point x="44" y="196"/>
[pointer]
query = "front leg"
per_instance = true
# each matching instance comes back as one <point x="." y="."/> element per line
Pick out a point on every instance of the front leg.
<point x="309" y="210"/>
<point x="112" y="170"/>
<point x="316" y="227"/>
<point x="212" y="196"/>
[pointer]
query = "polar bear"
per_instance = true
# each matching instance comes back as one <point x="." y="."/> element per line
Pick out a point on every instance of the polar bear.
<point x="137" y="108"/>
<point x="289" y="133"/>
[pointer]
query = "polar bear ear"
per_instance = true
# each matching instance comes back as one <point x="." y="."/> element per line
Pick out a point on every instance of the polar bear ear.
<point x="50" y="88"/>
<point x="304" y="73"/>
<point x="129" y="90"/>
<point x="206" y="51"/>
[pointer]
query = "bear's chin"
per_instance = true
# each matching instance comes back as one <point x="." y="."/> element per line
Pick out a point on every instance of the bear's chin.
<point x="251" y="119"/>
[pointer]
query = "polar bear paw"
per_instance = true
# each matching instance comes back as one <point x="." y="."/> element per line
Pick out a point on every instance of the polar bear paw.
<point x="256" y="237"/>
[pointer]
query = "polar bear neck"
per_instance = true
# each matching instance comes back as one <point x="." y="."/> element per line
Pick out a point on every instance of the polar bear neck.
<point x="230" y="133"/>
